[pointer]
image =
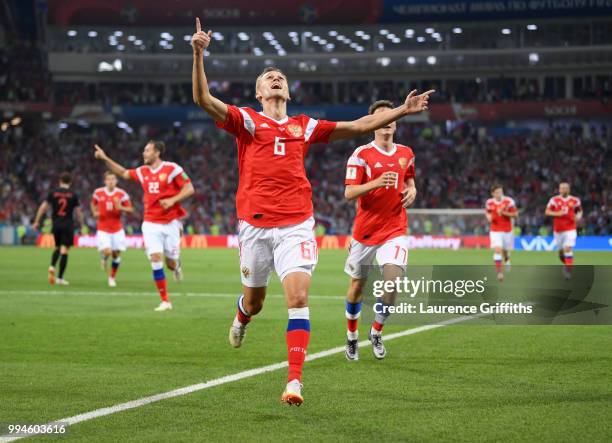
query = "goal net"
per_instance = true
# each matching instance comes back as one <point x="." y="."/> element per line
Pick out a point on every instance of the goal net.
<point x="447" y="222"/>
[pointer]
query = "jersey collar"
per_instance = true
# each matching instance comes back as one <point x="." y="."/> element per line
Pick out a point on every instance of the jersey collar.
<point x="278" y="122"/>
<point x="155" y="171"/>
<point x="107" y="192"/>
<point x="382" y="151"/>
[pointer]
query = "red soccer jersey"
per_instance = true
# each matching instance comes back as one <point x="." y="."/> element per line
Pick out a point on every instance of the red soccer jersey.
<point x="500" y="223"/>
<point x="273" y="189"/>
<point x="164" y="182"/>
<point x="108" y="204"/>
<point x="380" y="215"/>
<point x="569" y="205"/>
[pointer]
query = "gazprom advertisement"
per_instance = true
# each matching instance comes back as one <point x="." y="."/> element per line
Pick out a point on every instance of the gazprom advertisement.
<point x="586" y="243"/>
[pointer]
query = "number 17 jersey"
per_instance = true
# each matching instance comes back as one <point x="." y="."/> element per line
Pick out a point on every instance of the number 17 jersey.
<point x="273" y="190"/>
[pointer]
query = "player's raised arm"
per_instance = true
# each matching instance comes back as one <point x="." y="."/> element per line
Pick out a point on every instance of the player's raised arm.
<point x="201" y="95"/>
<point x="414" y="104"/>
<point x="115" y="167"/>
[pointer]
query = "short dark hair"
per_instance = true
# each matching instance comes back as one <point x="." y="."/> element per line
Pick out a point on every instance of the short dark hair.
<point x="380" y="104"/>
<point x="265" y="71"/>
<point x="107" y="173"/>
<point x="65" y="178"/>
<point x="496" y="186"/>
<point x="158" y="145"/>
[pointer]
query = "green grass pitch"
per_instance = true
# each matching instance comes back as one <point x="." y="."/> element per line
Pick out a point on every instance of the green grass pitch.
<point x="70" y="350"/>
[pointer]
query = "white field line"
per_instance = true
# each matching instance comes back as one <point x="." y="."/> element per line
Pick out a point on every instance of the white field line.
<point x="228" y="379"/>
<point x="149" y="294"/>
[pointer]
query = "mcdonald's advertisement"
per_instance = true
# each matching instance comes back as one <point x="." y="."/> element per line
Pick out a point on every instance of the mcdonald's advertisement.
<point x="535" y="243"/>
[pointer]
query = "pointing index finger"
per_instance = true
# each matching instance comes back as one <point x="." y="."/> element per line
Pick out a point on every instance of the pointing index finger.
<point x="198" y="25"/>
<point x="428" y="93"/>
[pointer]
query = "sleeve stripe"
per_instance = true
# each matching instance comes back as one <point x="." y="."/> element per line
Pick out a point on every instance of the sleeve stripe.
<point x="355" y="161"/>
<point x="139" y="174"/>
<point x="249" y="124"/>
<point x="310" y="127"/>
<point x="177" y="170"/>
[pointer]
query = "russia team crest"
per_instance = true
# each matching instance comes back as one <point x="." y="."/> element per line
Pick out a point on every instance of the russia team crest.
<point x="295" y="130"/>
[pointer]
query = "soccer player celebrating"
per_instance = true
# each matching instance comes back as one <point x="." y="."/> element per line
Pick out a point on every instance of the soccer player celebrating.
<point x="500" y="210"/>
<point x="107" y="204"/>
<point x="63" y="202"/>
<point x="380" y="175"/>
<point x="566" y="211"/>
<point x="274" y="198"/>
<point x="165" y="185"/>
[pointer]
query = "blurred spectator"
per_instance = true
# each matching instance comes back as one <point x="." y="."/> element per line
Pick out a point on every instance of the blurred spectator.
<point x="453" y="171"/>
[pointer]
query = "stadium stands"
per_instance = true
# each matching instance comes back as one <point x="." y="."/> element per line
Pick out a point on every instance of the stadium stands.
<point x="454" y="171"/>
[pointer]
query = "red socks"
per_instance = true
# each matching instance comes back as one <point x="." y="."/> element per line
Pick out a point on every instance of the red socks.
<point x="160" y="279"/>
<point x="298" y="335"/>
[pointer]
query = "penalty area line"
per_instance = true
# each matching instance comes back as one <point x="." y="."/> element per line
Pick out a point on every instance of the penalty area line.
<point x="102" y="412"/>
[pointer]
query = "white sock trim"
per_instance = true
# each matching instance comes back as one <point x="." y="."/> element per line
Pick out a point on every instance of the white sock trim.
<point x="299" y="313"/>
<point x="156" y="265"/>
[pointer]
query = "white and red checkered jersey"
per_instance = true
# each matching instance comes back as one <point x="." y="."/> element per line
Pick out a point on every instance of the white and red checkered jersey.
<point x="500" y="223"/>
<point x="568" y="205"/>
<point x="165" y="181"/>
<point x="380" y="215"/>
<point x="108" y="204"/>
<point x="273" y="189"/>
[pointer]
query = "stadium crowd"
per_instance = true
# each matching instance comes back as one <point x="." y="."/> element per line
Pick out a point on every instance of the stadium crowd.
<point x="492" y="90"/>
<point x="454" y="170"/>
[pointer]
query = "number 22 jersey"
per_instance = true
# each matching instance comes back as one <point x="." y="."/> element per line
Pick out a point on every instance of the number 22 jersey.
<point x="165" y="181"/>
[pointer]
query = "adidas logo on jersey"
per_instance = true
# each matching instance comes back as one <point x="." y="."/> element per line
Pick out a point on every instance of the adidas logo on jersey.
<point x="264" y="125"/>
<point x="378" y="165"/>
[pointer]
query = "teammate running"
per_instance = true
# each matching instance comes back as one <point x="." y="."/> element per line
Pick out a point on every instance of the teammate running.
<point x="380" y="175"/>
<point x="107" y="205"/>
<point x="566" y="211"/>
<point x="500" y="212"/>
<point x="274" y="197"/>
<point x="165" y="185"/>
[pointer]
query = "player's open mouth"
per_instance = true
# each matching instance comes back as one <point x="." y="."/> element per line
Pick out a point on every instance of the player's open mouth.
<point x="277" y="86"/>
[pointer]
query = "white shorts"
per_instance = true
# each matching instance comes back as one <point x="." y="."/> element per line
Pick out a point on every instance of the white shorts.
<point x="565" y="239"/>
<point x="504" y="240"/>
<point x="163" y="238"/>
<point x="394" y="251"/>
<point x="114" y="241"/>
<point x="287" y="249"/>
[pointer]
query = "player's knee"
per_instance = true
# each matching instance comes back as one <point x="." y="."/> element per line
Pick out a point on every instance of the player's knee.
<point x="171" y="263"/>
<point x="355" y="290"/>
<point x="63" y="250"/>
<point x="156" y="257"/>
<point x="106" y="252"/>
<point x="297" y="298"/>
<point x="253" y="299"/>
<point x="116" y="254"/>
<point x="253" y="307"/>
